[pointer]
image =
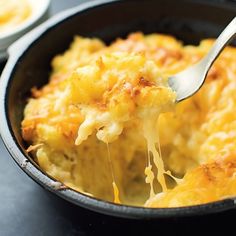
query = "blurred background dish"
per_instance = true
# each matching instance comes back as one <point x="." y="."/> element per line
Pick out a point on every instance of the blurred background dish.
<point x="17" y="17"/>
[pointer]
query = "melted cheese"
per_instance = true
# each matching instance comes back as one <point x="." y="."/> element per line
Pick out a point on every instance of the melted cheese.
<point x="114" y="186"/>
<point x="150" y="135"/>
<point x="116" y="193"/>
<point x="118" y="95"/>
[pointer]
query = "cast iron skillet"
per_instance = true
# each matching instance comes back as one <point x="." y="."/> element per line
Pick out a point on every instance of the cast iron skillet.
<point x="29" y="65"/>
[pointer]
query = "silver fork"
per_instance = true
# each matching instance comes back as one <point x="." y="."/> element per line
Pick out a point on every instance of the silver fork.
<point x="190" y="80"/>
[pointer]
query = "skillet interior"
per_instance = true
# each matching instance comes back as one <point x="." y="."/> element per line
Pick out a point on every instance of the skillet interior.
<point x="189" y="21"/>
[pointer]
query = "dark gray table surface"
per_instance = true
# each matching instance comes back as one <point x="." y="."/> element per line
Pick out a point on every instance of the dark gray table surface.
<point x="27" y="209"/>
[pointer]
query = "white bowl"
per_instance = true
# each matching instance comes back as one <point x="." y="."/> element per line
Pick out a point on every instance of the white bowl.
<point x="39" y="14"/>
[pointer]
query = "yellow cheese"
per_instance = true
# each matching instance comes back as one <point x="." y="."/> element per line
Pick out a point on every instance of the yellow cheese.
<point x="161" y="154"/>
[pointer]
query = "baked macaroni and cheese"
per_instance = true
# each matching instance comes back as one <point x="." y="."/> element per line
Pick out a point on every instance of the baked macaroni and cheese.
<point x="13" y="13"/>
<point x="107" y="124"/>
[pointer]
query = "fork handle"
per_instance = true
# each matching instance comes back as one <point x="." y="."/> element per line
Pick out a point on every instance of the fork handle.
<point x="225" y="37"/>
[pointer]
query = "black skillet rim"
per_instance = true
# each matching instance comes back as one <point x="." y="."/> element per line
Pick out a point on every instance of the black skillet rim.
<point x="51" y="184"/>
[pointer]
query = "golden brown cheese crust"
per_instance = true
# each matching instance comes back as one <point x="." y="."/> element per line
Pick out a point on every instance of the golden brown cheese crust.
<point x="207" y="183"/>
<point x="195" y="139"/>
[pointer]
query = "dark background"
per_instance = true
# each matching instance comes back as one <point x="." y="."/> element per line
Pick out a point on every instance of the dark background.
<point x="28" y="210"/>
